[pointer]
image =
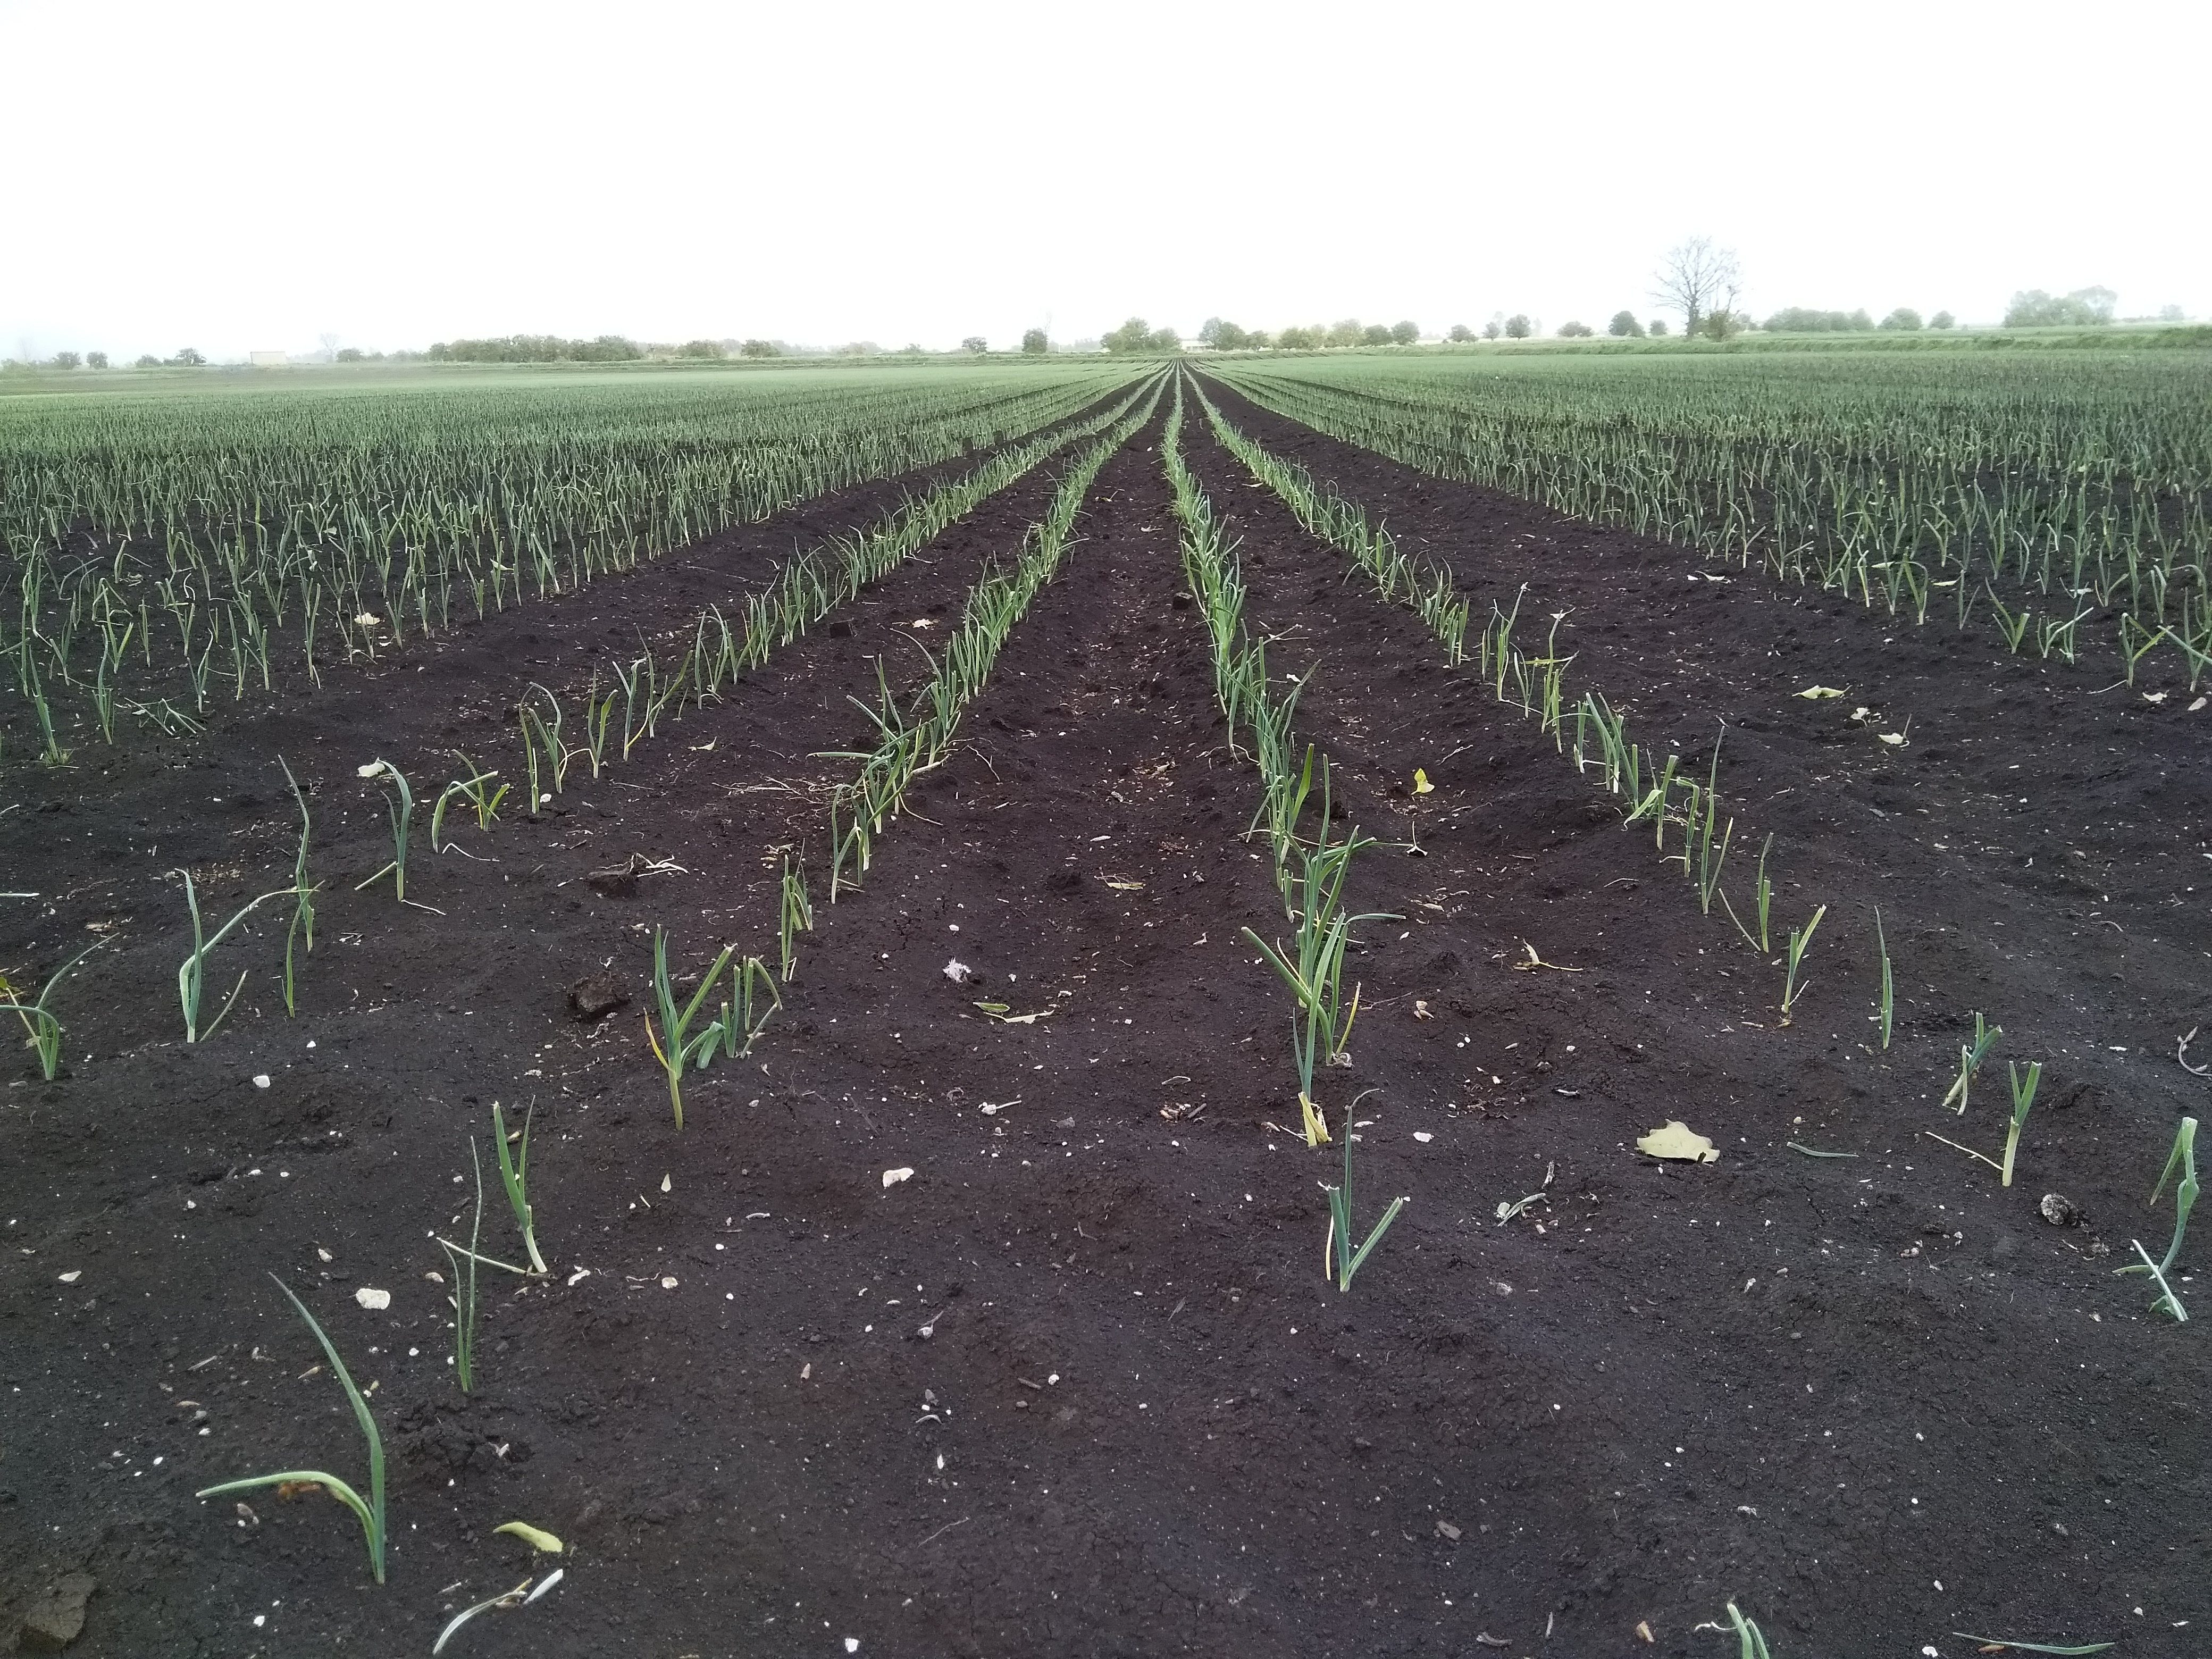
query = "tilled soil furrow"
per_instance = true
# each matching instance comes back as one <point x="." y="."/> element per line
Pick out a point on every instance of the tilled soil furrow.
<point x="1995" y="877"/>
<point x="1986" y="729"/>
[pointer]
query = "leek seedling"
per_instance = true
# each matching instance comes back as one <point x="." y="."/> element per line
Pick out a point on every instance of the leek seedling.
<point x="1970" y="1056"/>
<point x="548" y="735"/>
<point x="45" y="1031"/>
<point x="401" y="806"/>
<point x="1338" y="1259"/>
<point x="1799" y="939"/>
<point x="2184" y="1158"/>
<point x="464" y="1285"/>
<point x="192" y="975"/>
<point x="1321" y="1021"/>
<point x="742" y="1013"/>
<point x="1750" y="1644"/>
<point x="521" y="1596"/>
<point x="371" y="1513"/>
<point x="2023" y="1097"/>
<point x="598" y="711"/>
<point x="798" y="913"/>
<point x="681" y="1048"/>
<point x="514" y="1176"/>
<point x="529" y="765"/>
<point x="1709" y="864"/>
<point x="303" y="910"/>
<point x="2134" y="654"/>
<point x="1888" y="986"/>
<point x="474" y="789"/>
<point x="1762" y="894"/>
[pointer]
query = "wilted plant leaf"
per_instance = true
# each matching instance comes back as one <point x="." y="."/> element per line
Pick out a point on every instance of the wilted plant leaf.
<point x="1676" y="1140"/>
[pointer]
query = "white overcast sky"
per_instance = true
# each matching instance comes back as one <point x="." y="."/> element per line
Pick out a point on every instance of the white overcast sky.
<point x="234" y="176"/>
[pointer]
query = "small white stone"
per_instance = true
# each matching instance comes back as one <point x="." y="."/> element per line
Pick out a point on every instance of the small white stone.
<point x="261" y="1079"/>
<point x="892" y="1177"/>
<point x="371" y="1299"/>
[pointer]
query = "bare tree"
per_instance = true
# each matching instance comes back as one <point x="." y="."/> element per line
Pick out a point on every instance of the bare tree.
<point x="1699" y="279"/>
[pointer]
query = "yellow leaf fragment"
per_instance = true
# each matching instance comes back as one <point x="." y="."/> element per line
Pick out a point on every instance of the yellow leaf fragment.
<point x="1814" y="693"/>
<point x="536" y="1537"/>
<point x="1677" y="1140"/>
<point x="1119" y="886"/>
<point x="997" y="1012"/>
<point x="1421" y="784"/>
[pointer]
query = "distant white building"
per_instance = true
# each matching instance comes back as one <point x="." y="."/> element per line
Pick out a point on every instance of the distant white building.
<point x="266" y="359"/>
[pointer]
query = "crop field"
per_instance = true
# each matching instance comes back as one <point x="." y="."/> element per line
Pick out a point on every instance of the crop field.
<point x="1373" y="1004"/>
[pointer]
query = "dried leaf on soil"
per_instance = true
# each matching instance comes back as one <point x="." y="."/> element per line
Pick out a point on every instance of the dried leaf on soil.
<point x="1677" y="1140"/>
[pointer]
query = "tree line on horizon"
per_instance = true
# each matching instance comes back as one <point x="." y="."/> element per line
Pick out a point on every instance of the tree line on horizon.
<point x="1699" y="281"/>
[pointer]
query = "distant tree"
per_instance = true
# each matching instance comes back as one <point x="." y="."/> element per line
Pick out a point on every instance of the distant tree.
<point x="1943" y="319"/>
<point x="1135" y="335"/>
<point x="1460" y="334"/>
<point x="1902" y="320"/>
<point x="1256" y="340"/>
<point x="711" y="350"/>
<point x="1164" y="339"/>
<point x="1300" y="339"/>
<point x="347" y="355"/>
<point x="1624" y="325"/>
<point x="330" y="344"/>
<point x="1405" y="333"/>
<point x="1346" y="333"/>
<point x="1223" y="336"/>
<point x="1697" y="278"/>
<point x="2085" y="307"/>
<point x="1802" y="319"/>
<point x="2167" y="314"/>
<point x="1035" y="343"/>
<point x="1517" y="327"/>
<point x="976" y="343"/>
<point x="66" y="359"/>
<point x="188" y="358"/>
<point x="1658" y="326"/>
<point x="147" y="361"/>
<point x="1376" y="334"/>
<point x="1574" y="330"/>
<point x="769" y="349"/>
<point x="1495" y="327"/>
<point x="95" y="359"/>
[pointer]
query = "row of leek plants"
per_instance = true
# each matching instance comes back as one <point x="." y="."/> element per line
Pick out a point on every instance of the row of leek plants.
<point x="914" y="732"/>
<point x="1310" y="873"/>
<point x="1648" y="787"/>
<point x="692" y="668"/>
<point x="363" y="526"/>
<point x="1951" y="520"/>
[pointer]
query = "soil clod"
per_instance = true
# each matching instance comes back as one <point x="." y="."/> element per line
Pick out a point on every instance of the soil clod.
<point x="597" y="995"/>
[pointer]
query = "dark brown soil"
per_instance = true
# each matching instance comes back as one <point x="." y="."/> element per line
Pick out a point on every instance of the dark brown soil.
<point x="1078" y="1387"/>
